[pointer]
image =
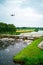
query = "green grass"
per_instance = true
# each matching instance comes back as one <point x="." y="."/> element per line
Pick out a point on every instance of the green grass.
<point x="18" y="31"/>
<point x="11" y="33"/>
<point x="24" y="30"/>
<point x="31" y="55"/>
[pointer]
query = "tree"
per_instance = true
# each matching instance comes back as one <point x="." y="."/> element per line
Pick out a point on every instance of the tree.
<point x="7" y="28"/>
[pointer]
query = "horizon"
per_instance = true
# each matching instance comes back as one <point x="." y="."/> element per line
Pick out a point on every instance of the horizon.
<point x="21" y="26"/>
<point x="27" y="13"/>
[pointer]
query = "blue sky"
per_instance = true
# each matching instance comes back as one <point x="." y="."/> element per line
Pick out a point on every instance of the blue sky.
<point x="28" y="13"/>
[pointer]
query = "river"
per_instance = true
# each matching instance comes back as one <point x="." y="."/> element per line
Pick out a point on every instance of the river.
<point x="9" y="48"/>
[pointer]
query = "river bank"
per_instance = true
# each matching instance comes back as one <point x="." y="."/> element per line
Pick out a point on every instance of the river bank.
<point x="10" y="47"/>
<point x="31" y="55"/>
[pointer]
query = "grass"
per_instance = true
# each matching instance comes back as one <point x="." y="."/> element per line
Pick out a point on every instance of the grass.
<point x="18" y="31"/>
<point x="24" y="30"/>
<point x="31" y="55"/>
<point x="11" y="33"/>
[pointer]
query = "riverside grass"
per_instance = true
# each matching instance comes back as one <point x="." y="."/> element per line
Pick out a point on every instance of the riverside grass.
<point x="31" y="55"/>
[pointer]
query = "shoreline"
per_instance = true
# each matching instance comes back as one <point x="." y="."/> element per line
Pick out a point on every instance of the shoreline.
<point x="23" y="57"/>
<point x="7" y="36"/>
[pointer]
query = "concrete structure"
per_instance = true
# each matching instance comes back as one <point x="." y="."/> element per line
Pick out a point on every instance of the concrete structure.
<point x="29" y="36"/>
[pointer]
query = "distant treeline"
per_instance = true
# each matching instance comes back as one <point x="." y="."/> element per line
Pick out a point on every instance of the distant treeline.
<point x="7" y="28"/>
<point x="10" y="28"/>
<point x="35" y="28"/>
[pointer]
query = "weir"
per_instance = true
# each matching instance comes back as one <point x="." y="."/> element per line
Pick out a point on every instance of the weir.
<point x="19" y="37"/>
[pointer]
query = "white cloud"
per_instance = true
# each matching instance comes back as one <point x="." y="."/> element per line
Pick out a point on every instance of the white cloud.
<point x="23" y="17"/>
<point x="15" y="2"/>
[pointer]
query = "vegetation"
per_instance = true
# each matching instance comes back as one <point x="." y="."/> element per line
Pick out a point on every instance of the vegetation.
<point x="7" y="28"/>
<point x="30" y="28"/>
<point x="11" y="29"/>
<point x="27" y="29"/>
<point x="31" y="55"/>
<point x="24" y="30"/>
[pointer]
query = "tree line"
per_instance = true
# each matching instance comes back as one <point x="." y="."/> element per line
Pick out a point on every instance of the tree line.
<point x="10" y="28"/>
<point x="35" y="28"/>
<point x="7" y="28"/>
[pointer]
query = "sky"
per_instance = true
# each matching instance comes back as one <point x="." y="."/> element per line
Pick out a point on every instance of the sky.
<point x="28" y="13"/>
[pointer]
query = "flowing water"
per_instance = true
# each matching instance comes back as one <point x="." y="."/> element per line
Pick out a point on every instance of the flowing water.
<point x="9" y="48"/>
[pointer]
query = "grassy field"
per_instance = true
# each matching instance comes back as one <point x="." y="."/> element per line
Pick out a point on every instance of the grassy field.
<point x="18" y="32"/>
<point x="31" y="55"/>
<point x="24" y="30"/>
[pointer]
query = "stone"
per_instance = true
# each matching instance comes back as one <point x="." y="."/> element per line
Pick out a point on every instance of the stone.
<point x="41" y="45"/>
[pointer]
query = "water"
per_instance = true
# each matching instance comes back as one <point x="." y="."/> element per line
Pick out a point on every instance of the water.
<point x="10" y="48"/>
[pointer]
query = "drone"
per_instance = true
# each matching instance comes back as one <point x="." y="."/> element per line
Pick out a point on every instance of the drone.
<point x="12" y="14"/>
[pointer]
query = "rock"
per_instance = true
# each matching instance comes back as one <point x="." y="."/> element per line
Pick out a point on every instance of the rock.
<point x="41" y="45"/>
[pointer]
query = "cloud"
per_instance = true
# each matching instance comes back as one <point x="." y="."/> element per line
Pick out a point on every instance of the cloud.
<point x="27" y="17"/>
<point x="24" y="16"/>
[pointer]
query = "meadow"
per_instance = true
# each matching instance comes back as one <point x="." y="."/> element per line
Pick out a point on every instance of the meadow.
<point x="24" y="30"/>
